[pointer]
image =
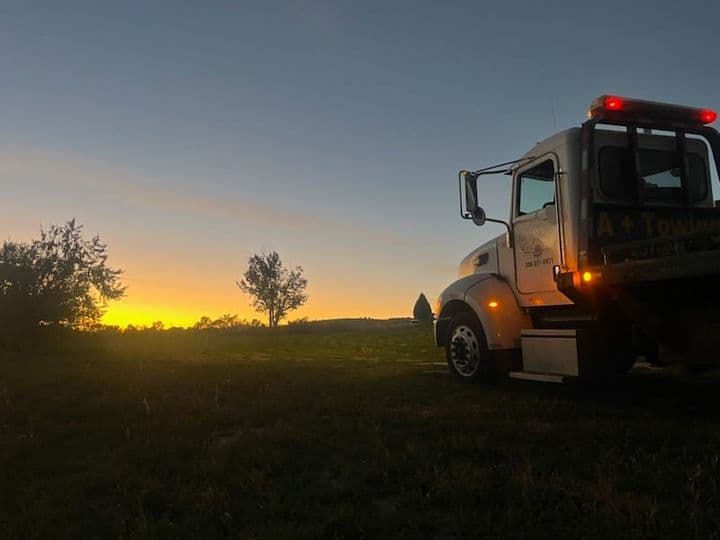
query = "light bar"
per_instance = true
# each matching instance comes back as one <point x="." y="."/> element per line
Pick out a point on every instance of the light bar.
<point x="622" y="109"/>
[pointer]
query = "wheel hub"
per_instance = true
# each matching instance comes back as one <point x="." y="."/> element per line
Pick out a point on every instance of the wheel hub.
<point x="465" y="351"/>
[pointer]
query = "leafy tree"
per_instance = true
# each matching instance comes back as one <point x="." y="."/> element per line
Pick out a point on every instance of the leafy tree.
<point x="276" y="290"/>
<point x="422" y="310"/>
<point x="204" y="323"/>
<point x="227" y="321"/>
<point x="157" y="326"/>
<point x="224" y="322"/>
<point x="59" y="279"/>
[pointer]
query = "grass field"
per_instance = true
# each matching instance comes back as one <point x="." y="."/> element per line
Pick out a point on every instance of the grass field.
<point x="341" y="432"/>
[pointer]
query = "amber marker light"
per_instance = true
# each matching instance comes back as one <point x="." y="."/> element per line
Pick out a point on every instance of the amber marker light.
<point x="492" y="304"/>
<point x="587" y="277"/>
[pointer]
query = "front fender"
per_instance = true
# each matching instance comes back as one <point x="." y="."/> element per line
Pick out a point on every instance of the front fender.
<point x="492" y="301"/>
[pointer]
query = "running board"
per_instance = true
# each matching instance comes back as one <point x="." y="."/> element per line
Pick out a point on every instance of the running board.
<point x="538" y="377"/>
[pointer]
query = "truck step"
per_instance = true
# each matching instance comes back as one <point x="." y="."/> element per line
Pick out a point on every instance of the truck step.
<point x="550" y="351"/>
<point x="539" y="377"/>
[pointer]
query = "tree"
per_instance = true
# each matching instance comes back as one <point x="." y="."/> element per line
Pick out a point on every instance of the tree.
<point x="422" y="310"/>
<point x="276" y="290"/>
<point x="59" y="279"/>
<point x="224" y="322"/>
<point x="157" y="326"/>
<point x="204" y="323"/>
<point x="227" y="321"/>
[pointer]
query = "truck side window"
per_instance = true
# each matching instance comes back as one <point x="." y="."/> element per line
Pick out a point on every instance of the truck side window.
<point x="616" y="180"/>
<point x="536" y="188"/>
<point x="659" y="173"/>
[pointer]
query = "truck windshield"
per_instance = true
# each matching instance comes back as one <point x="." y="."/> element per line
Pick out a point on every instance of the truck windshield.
<point x="658" y="171"/>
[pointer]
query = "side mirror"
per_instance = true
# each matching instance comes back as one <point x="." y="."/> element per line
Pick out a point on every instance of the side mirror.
<point x="478" y="216"/>
<point x="471" y="200"/>
<point x="469" y="207"/>
<point x="473" y="209"/>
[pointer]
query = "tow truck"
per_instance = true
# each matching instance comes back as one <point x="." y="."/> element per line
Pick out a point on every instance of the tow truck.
<point x="611" y="251"/>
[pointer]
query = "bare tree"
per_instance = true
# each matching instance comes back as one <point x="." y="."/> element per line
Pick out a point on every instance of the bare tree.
<point x="276" y="290"/>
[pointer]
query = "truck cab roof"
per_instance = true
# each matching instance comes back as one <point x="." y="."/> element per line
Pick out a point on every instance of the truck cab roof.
<point x="551" y="143"/>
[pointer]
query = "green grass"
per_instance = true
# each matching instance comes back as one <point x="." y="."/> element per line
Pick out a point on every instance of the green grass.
<point x="341" y="432"/>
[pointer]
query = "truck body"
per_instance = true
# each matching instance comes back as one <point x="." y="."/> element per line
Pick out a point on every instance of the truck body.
<point x="611" y="251"/>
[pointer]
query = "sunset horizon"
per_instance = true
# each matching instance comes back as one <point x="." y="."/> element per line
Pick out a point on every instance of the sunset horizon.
<point x="125" y="313"/>
<point x="202" y="142"/>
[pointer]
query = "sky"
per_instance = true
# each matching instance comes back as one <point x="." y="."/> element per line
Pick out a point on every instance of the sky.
<point x="191" y="135"/>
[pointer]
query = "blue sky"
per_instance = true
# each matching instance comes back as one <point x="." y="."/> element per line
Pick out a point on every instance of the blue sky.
<point x="191" y="135"/>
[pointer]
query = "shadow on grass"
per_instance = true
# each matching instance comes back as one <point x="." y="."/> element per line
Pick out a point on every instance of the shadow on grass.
<point x="670" y="393"/>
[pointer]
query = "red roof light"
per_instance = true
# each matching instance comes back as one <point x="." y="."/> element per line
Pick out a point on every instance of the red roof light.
<point x="613" y="103"/>
<point x="708" y="116"/>
<point x="621" y="110"/>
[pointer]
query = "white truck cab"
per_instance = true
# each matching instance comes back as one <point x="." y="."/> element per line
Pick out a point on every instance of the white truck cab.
<point x="611" y="251"/>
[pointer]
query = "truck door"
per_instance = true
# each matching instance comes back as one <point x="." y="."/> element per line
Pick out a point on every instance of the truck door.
<point x="535" y="226"/>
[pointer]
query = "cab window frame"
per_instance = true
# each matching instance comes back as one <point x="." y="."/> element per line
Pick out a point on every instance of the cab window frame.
<point x="542" y="162"/>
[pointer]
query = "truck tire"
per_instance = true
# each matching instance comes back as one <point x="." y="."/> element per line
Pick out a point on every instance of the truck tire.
<point x="614" y="353"/>
<point x="623" y="361"/>
<point x="466" y="350"/>
<point x="624" y="348"/>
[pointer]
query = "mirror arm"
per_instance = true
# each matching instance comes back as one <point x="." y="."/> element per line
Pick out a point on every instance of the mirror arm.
<point x="507" y="226"/>
<point x="493" y="169"/>
<point x="475" y="174"/>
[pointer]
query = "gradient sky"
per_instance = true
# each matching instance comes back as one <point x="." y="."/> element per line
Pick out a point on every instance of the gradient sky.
<point x="192" y="135"/>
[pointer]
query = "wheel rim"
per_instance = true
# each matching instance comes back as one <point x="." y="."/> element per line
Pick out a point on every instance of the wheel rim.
<point x="465" y="351"/>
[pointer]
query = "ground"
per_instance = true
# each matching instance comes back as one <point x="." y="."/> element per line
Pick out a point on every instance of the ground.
<point x="345" y="431"/>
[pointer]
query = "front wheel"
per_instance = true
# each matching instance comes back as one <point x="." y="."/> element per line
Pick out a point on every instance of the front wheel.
<point x="466" y="350"/>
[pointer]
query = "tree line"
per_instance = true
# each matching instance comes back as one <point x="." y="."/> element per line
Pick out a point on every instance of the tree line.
<point x="62" y="279"/>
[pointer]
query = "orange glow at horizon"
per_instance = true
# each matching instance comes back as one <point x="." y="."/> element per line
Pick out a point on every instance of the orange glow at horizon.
<point x="123" y="313"/>
<point x="177" y="305"/>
